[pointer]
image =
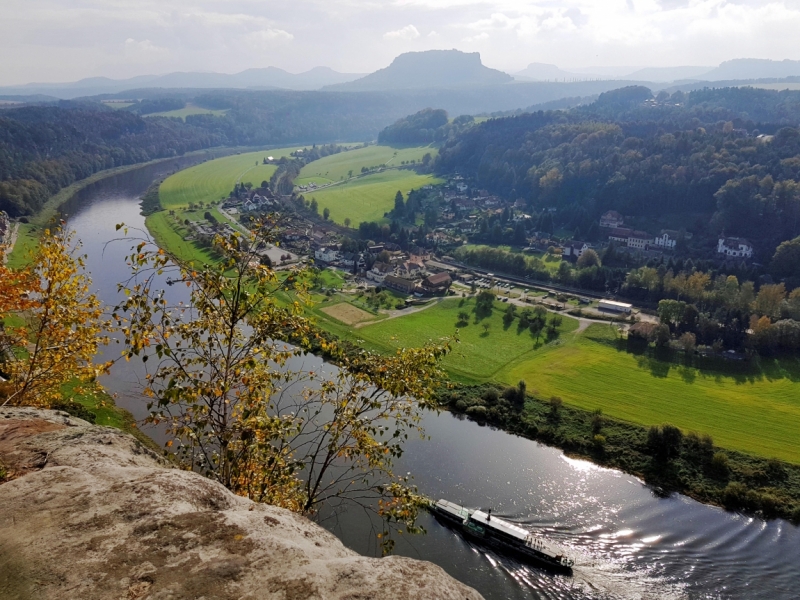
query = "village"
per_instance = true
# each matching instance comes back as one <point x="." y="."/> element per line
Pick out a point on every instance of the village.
<point x="421" y="265"/>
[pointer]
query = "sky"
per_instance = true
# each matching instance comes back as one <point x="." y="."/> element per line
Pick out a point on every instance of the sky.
<point x="66" y="40"/>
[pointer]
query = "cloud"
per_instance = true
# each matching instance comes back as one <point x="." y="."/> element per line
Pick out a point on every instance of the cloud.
<point x="143" y="51"/>
<point x="409" y="32"/>
<point x="476" y="38"/>
<point x="267" y="38"/>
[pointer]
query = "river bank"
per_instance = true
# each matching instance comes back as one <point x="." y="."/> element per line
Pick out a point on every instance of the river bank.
<point x="694" y="467"/>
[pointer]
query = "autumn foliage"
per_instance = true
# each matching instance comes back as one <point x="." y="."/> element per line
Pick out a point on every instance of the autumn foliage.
<point x="52" y="325"/>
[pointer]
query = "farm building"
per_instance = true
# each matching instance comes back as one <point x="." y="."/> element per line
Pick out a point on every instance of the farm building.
<point x="399" y="284"/>
<point x="436" y="284"/>
<point x="613" y="306"/>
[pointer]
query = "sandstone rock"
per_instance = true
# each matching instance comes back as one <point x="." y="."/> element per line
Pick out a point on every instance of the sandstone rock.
<point x="91" y="514"/>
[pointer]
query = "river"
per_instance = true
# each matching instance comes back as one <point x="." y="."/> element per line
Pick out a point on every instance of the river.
<point x="627" y="542"/>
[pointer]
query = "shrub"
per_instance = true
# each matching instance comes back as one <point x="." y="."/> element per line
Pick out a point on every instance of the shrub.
<point x="719" y="464"/>
<point x="664" y="441"/>
<point x="491" y="396"/>
<point x="477" y="412"/>
<point x="555" y="405"/>
<point x="599" y="441"/>
<point x="461" y="406"/>
<point x="597" y="421"/>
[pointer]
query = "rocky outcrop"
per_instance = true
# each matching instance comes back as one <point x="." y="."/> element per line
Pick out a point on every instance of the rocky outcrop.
<point x="91" y="513"/>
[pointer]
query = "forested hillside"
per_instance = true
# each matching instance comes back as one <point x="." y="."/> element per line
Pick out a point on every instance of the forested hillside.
<point x="679" y="155"/>
<point x="43" y="149"/>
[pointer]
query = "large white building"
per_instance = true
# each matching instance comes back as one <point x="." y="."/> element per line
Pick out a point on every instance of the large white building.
<point x="326" y="254"/>
<point x="665" y="240"/>
<point x="735" y="247"/>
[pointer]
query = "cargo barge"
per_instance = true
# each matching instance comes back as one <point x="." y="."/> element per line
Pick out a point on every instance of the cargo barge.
<point x="502" y="534"/>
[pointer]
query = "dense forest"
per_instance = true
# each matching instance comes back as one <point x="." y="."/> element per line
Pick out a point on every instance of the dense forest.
<point x="732" y="156"/>
<point x="424" y="127"/>
<point x="43" y="149"/>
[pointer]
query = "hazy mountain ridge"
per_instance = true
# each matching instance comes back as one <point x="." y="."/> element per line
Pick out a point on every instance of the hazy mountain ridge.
<point x="263" y="78"/>
<point x="430" y="69"/>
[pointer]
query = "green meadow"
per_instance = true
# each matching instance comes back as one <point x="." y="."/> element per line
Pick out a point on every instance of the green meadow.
<point x="189" y="109"/>
<point x="368" y="198"/>
<point x="213" y="180"/>
<point x="337" y="167"/>
<point x="476" y="357"/>
<point x="754" y="408"/>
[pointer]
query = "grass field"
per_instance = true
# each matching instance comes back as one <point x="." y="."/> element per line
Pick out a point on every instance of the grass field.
<point x="27" y="242"/>
<point x="348" y="314"/>
<point x="189" y="109"/>
<point x="477" y="356"/>
<point x="367" y="198"/>
<point x="338" y="166"/>
<point x="754" y="408"/>
<point x="213" y="180"/>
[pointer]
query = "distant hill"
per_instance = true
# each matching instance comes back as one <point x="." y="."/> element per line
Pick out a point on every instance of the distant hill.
<point x="426" y="70"/>
<point x="266" y="78"/>
<point x="547" y="72"/>
<point x="753" y="68"/>
<point x="667" y="74"/>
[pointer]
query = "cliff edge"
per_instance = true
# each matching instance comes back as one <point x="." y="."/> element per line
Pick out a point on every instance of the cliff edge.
<point x="91" y="514"/>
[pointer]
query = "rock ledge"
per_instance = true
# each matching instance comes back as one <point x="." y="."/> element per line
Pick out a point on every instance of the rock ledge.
<point x="93" y="514"/>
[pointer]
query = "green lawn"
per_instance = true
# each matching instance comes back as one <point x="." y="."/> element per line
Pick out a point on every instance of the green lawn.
<point x="338" y="166"/>
<point x="189" y="109"/>
<point x="367" y="198"/>
<point x="752" y="408"/>
<point x="478" y="355"/>
<point x="213" y="180"/>
<point x="27" y="242"/>
<point x="169" y="232"/>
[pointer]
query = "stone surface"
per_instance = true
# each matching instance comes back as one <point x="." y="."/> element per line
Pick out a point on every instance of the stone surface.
<point x="91" y="514"/>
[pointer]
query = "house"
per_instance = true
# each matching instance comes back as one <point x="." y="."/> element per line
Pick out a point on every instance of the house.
<point x="612" y="220"/>
<point x="408" y="269"/>
<point x="736" y="247"/>
<point x="640" y="240"/>
<point x="379" y="271"/>
<point x="326" y="254"/>
<point x="348" y="259"/>
<point x="575" y="248"/>
<point x="666" y="240"/>
<point x="437" y="284"/>
<point x="398" y="284"/>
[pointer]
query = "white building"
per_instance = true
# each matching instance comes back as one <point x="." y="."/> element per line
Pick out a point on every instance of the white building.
<point x="665" y="240"/>
<point x="639" y="240"/>
<point x="379" y="271"/>
<point x="326" y="254"/>
<point x="575" y="248"/>
<point x="736" y="247"/>
<point x="612" y="306"/>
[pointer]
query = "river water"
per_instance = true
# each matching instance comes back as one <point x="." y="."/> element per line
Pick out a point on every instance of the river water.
<point x="627" y="542"/>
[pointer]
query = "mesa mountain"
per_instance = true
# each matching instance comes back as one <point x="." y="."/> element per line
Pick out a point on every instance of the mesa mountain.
<point x="430" y="69"/>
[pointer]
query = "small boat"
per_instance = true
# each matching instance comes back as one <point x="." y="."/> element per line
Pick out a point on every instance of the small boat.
<point x="502" y="534"/>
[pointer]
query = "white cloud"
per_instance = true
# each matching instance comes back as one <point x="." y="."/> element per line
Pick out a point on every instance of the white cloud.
<point x="476" y="38"/>
<point x="143" y="51"/>
<point x="267" y="38"/>
<point x="409" y="32"/>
